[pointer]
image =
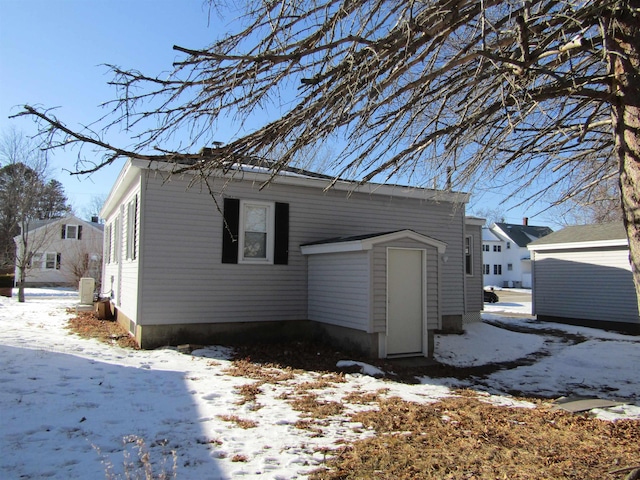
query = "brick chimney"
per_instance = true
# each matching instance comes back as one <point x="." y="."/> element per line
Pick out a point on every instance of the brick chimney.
<point x="525" y="221"/>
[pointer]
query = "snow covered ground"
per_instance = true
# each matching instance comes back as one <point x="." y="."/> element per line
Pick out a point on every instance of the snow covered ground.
<point x="74" y="408"/>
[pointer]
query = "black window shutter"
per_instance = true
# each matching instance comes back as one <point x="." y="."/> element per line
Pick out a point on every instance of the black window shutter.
<point x="58" y="260"/>
<point x="64" y="232"/>
<point x="281" y="243"/>
<point x="230" y="228"/>
<point x="79" y="232"/>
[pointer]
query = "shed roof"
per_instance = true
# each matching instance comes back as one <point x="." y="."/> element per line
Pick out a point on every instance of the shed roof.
<point x="367" y="241"/>
<point x="606" y="234"/>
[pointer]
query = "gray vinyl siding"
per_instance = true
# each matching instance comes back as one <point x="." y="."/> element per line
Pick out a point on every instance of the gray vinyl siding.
<point x="590" y="284"/>
<point x="185" y="282"/>
<point x="339" y="289"/>
<point x="474" y="296"/>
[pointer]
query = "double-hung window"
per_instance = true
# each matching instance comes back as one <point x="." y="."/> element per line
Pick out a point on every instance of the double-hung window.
<point x="45" y="261"/>
<point x="71" y="232"/>
<point x="36" y="261"/>
<point x="52" y="261"/>
<point x="256" y="232"/>
<point x="468" y="256"/>
<point x="132" y="229"/>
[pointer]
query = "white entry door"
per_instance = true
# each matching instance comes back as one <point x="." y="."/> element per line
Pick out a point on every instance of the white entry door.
<point x="405" y="301"/>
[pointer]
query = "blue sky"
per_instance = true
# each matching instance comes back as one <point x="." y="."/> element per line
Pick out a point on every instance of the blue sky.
<point x="52" y="54"/>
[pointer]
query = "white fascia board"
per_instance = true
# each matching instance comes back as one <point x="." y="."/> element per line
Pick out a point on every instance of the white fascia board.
<point x="368" y="243"/>
<point x="478" y="222"/>
<point x="320" y="183"/>
<point x="620" y="242"/>
<point x="500" y="234"/>
<point x="128" y="172"/>
<point x="335" y="247"/>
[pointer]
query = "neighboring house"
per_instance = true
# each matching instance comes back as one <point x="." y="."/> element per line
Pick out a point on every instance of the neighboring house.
<point x="506" y="262"/>
<point x="64" y="250"/>
<point x="582" y="276"/>
<point x="373" y="267"/>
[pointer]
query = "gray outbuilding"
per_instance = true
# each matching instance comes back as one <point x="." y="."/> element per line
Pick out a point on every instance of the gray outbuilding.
<point x="582" y="276"/>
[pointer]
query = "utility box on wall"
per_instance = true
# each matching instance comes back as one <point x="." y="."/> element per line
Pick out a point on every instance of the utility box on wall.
<point x="86" y="288"/>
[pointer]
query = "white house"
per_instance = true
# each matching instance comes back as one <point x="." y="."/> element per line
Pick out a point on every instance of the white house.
<point x="582" y="276"/>
<point x="63" y="250"/>
<point x="239" y="259"/>
<point x="506" y="262"/>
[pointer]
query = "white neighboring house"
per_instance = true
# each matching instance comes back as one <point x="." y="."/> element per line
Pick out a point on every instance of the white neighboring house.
<point x="506" y="262"/>
<point x="64" y="250"/>
<point x="582" y="276"/>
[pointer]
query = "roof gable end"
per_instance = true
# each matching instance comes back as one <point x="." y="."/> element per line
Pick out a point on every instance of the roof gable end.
<point x="366" y="242"/>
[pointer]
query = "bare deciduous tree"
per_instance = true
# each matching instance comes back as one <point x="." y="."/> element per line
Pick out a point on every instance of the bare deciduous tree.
<point x="26" y="197"/>
<point x="538" y="88"/>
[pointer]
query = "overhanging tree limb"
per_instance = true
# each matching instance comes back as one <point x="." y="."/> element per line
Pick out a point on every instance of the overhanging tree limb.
<point x="415" y="86"/>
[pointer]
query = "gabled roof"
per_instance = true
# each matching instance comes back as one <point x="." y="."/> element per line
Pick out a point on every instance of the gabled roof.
<point x="366" y="242"/>
<point x="37" y="224"/>
<point x="489" y="236"/>
<point x="523" y="235"/>
<point x="601" y="235"/>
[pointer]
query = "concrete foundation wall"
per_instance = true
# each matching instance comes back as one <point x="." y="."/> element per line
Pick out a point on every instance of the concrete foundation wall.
<point x="452" y="323"/>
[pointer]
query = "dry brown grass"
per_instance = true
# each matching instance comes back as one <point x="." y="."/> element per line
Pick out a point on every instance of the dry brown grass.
<point x="455" y="438"/>
<point x="241" y="422"/>
<point x="87" y="325"/>
<point x="312" y="406"/>
<point x="266" y="373"/>
<point x="249" y="394"/>
<point x="464" y="438"/>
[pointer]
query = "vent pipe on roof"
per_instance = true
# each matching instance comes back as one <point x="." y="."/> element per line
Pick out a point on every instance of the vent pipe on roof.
<point x="525" y="221"/>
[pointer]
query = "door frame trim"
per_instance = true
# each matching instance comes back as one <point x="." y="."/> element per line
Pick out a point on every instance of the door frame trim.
<point x="425" y="333"/>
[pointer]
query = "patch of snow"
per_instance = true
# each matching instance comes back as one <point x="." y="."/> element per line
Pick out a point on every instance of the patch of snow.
<point x="71" y="407"/>
<point x="482" y="344"/>
<point x="365" y="368"/>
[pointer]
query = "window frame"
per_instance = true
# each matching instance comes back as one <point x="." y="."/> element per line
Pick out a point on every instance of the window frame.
<point x="468" y="255"/>
<point x="77" y="231"/>
<point x="132" y="229"/>
<point x="270" y="232"/>
<point x="107" y="243"/>
<point x="36" y="262"/>
<point x="56" y="260"/>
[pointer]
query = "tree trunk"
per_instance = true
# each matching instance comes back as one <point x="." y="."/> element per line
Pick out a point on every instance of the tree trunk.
<point x="21" y="285"/>
<point x="624" y="63"/>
